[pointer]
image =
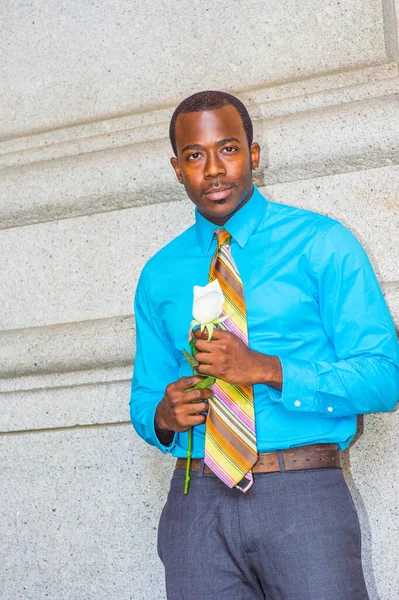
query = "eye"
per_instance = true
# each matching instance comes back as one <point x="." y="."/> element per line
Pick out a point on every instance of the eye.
<point x="193" y="156"/>
<point x="230" y="149"/>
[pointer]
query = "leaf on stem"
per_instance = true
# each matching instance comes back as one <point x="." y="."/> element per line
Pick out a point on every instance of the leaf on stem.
<point x="207" y="381"/>
<point x="193" y="363"/>
<point x="192" y="347"/>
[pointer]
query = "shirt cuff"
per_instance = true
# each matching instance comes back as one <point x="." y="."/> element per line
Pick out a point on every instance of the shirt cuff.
<point x="154" y="437"/>
<point x="299" y="385"/>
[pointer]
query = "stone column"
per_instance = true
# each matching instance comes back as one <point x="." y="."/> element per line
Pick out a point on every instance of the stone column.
<point x="87" y="195"/>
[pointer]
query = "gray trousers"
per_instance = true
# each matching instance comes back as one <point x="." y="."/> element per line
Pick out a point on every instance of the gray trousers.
<point x="293" y="536"/>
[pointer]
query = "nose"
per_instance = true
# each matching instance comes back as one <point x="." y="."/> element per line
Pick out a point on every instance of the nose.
<point x="214" y="166"/>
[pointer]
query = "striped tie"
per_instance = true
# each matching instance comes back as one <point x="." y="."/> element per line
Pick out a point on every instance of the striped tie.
<point x="230" y="437"/>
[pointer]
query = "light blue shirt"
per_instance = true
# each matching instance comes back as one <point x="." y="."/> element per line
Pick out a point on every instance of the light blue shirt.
<point x="312" y="299"/>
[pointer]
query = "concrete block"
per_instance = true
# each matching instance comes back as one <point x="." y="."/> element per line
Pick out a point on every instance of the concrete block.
<point x="80" y="77"/>
<point x="81" y="508"/>
<point x="320" y="91"/>
<point x="352" y="137"/>
<point x="106" y="180"/>
<point x="87" y="268"/>
<point x="84" y="268"/>
<point x="371" y="473"/>
<point x="265" y="102"/>
<point x="66" y="375"/>
<point x="53" y="407"/>
<point x="391" y="293"/>
<point x="67" y="347"/>
<point x="79" y="515"/>
<point x="87" y="195"/>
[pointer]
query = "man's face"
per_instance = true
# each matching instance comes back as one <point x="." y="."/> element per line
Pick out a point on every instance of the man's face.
<point x="214" y="162"/>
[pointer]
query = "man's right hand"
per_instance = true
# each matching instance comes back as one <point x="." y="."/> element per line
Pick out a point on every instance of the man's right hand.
<point x="179" y="410"/>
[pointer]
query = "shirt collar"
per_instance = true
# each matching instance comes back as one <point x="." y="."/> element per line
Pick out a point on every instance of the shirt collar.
<point x="241" y="225"/>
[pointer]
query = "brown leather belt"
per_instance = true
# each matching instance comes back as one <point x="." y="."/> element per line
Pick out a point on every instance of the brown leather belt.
<point x="313" y="456"/>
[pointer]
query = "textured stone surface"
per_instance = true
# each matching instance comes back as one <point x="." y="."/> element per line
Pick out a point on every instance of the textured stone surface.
<point x="87" y="268"/>
<point x="278" y="99"/>
<point x="67" y="347"/>
<point x="90" y="183"/>
<point x="64" y="406"/>
<point x="86" y="94"/>
<point x="78" y="515"/>
<point x="312" y="143"/>
<point x="356" y="136"/>
<point x="371" y="472"/>
<point x="80" y="76"/>
<point x="391" y="293"/>
<point x="83" y="268"/>
<point x="80" y="510"/>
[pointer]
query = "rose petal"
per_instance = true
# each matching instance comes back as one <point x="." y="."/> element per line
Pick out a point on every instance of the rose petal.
<point x="208" y="302"/>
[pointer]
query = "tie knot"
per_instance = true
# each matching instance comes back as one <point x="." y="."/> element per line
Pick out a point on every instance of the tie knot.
<point x="223" y="236"/>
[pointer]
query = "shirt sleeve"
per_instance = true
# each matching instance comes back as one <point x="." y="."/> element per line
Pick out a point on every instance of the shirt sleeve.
<point x="155" y="366"/>
<point x="365" y="376"/>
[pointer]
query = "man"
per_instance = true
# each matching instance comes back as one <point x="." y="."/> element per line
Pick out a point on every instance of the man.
<point x="316" y="346"/>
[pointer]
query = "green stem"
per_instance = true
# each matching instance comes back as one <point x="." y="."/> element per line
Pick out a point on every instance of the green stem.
<point x="187" y="480"/>
<point x="189" y="452"/>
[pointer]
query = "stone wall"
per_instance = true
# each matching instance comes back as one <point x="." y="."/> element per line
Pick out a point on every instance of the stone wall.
<point x="87" y="195"/>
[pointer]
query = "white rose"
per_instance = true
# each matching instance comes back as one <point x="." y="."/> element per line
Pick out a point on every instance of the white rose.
<point x="208" y="302"/>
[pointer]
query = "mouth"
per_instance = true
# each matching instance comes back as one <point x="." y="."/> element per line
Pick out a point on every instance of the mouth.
<point x="218" y="194"/>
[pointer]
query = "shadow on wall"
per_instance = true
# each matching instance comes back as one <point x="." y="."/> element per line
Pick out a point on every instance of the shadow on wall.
<point x="367" y="545"/>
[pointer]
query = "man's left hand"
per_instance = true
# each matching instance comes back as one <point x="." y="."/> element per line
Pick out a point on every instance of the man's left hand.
<point x="227" y="357"/>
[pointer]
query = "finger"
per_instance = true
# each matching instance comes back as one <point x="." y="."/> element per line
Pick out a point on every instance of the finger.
<point x="219" y="334"/>
<point x="196" y="420"/>
<point x="185" y="382"/>
<point x="206" y="369"/>
<point x="196" y="395"/>
<point x="203" y="345"/>
<point x="198" y="407"/>
<point x="198" y="334"/>
<point x="204" y="357"/>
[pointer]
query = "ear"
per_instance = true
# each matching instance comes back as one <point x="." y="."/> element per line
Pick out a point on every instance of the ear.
<point x="254" y="155"/>
<point x="175" y="165"/>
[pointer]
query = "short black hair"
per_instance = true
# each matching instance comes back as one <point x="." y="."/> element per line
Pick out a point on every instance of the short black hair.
<point x="210" y="100"/>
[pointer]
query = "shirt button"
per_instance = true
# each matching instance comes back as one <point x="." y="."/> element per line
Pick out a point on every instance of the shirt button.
<point x="330" y="409"/>
<point x="297" y="403"/>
